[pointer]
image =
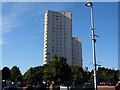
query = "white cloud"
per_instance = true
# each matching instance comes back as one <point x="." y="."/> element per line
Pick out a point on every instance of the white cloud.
<point x="3" y="41"/>
<point x="10" y="20"/>
<point x="8" y="23"/>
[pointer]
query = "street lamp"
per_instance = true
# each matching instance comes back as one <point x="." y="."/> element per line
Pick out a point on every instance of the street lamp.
<point x="89" y="4"/>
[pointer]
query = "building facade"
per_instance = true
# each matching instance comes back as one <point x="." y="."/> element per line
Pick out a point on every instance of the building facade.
<point x="58" y="35"/>
<point x="77" y="51"/>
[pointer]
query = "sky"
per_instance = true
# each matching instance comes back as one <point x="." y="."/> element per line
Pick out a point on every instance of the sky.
<point x="23" y="32"/>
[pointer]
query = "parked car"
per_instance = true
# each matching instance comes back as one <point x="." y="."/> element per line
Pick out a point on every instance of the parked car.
<point x="19" y="87"/>
<point x="10" y="87"/>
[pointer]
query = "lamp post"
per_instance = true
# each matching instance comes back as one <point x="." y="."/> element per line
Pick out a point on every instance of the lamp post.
<point x="89" y="4"/>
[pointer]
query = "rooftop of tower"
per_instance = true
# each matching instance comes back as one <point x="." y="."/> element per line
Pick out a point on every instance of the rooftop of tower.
<point x="59" y="11"/>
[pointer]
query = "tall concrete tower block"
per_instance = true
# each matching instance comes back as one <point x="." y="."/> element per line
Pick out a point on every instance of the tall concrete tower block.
<point x="58" y="35"/>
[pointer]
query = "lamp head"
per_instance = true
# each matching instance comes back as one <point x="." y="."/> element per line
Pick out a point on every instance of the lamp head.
<point x="88" y="4"/>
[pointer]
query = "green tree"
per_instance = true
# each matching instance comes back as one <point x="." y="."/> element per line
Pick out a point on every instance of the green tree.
<point x="57" y="70"/>
<point x="87" y="76"/>
<point x="103" y="75"/>
<point x="113" y="74"/>
<point x="90" y="77"/>
<point x="77" y="75"/>
<point x="16" y="75"/>
<point x="6" y="73"/>
<point x="34" y="75"/>
<point x="28" y="76"/>
<point x="118" y="75"/>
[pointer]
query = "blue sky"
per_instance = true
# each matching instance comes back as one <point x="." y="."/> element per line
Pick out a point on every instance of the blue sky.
<point x="22" y="32"/>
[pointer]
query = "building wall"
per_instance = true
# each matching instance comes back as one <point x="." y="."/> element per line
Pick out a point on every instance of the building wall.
<point x="58" y="35"/>
<point x="76" y="51"/>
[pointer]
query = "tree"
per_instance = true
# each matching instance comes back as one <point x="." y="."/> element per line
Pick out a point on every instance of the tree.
<point x="28" y="76"/>
<point x="88" y="76"/>
<point x="16" y="75"/>
<point x="103" y="75"/>
<point x="34" y="75"/>
<point x="6" y="73"/>
<point x="77" y="75"/>
<point x="113" y="74"/>
<point x="118" y="75"/>
<point x="57" y="70"/>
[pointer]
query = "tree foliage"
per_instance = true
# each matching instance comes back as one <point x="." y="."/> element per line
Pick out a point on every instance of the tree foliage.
<point x="107" y="76"/>
<point x="57" y="70"/>
<point x="77" y="75"/>
<point x="118" y="75"/>
<point x="6" y="73"/>
<point x="16" y="75"/>
<point x="34" y="75"/>
<point x="60" y="72"/>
